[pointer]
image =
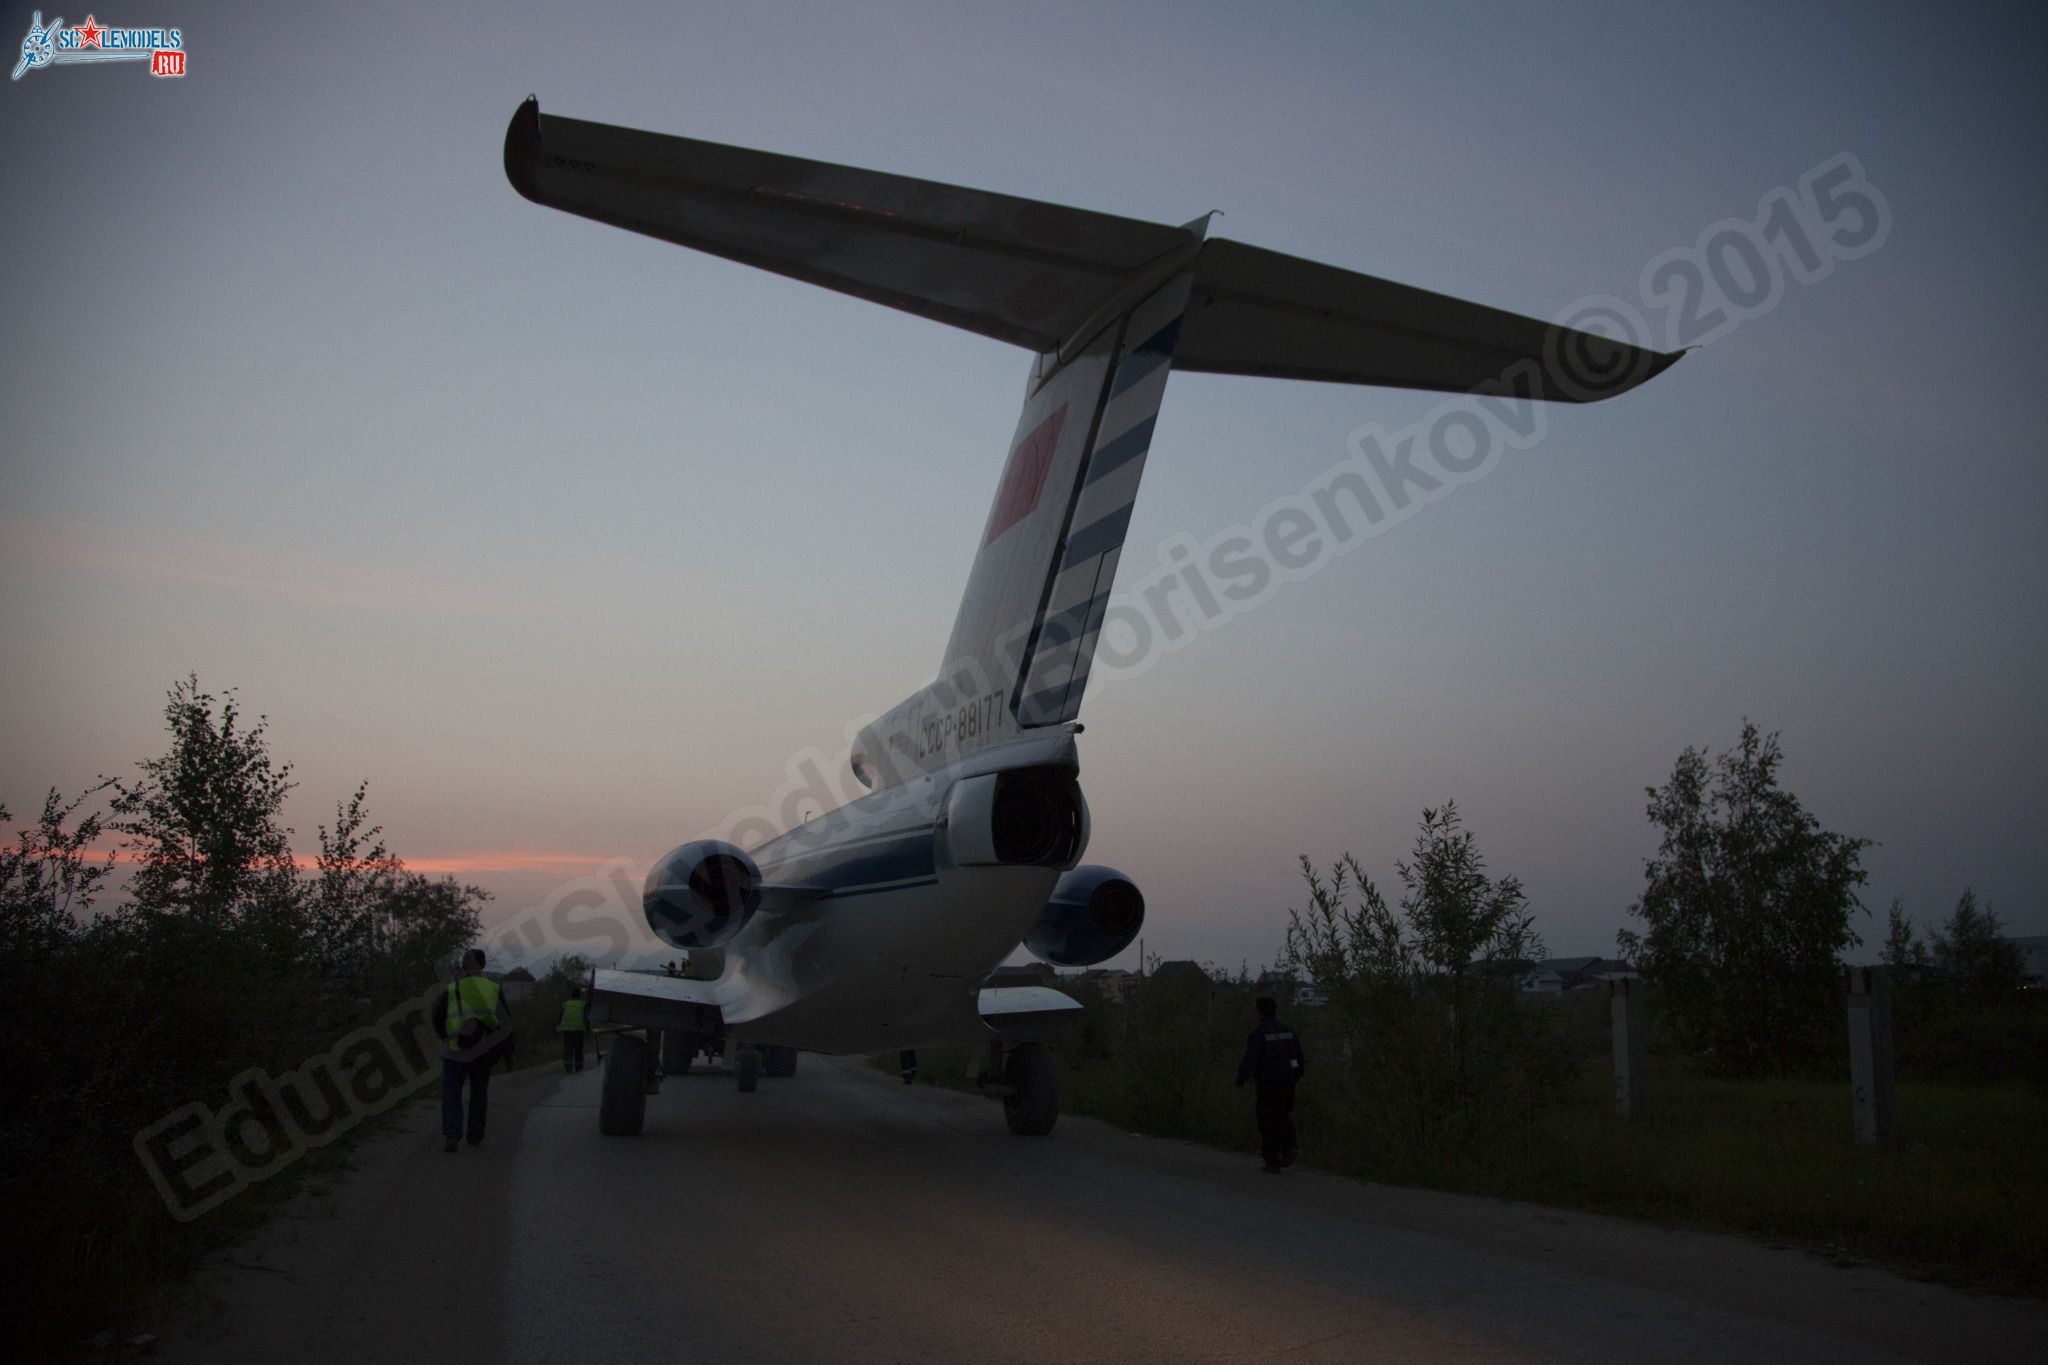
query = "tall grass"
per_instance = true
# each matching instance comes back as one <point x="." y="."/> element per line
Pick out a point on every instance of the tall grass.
<point x="1958" y="1194"/>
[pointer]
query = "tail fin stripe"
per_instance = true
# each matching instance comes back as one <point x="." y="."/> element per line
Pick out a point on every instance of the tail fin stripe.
<point x="1146" y="357"/>
<point x="1042" y="708"/>
<point x="1093" y="539"/>
<point x="1071" y="623"/>
<point x="1125" y="448"/>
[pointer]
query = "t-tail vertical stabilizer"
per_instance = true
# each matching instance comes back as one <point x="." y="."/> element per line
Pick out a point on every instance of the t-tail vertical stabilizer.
<point x="1110" y="305"/>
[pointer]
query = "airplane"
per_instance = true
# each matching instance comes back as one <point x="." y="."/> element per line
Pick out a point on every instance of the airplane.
<point x="881" y="925"/>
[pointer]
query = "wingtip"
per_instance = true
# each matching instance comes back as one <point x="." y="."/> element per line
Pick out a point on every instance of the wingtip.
<point x="522" y="149"/>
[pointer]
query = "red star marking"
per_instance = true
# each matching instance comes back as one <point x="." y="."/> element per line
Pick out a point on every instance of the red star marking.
<point x="1024" y="476"/>
<point x="89" y="33"/>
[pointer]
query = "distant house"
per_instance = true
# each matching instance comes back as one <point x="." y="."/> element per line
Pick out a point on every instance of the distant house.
<point x="1179" y="976"/>
<point x="517" y="984"/>
<point x="1562" y="975"/>
<point x="1113" y="983"/>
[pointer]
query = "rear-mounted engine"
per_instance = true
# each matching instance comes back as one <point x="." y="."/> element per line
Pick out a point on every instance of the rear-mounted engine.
<point x="1030" y="817"/>
<point x="1093" y="915"/>
<point x="701" y="894"/>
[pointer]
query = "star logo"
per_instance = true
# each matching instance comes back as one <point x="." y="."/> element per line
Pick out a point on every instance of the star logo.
<point x="89" y="33"/>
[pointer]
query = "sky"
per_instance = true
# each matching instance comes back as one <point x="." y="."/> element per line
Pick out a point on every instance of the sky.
<point x="573" y="544"/>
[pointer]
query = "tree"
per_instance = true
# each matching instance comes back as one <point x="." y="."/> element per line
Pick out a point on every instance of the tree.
<point x="204" y="818"/>
<point x="568" y="974"/>
<point x="50" y="876"/>
<point x="1438" y="1053"/>
<point x="1746" y="908"/>
<point x="1972" y="952"/>
<point x="1453" y="914"/>
<point x="1902" y="947"/>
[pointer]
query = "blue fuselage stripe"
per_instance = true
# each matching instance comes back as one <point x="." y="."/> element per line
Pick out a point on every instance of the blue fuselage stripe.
<point x="869" y="865"/>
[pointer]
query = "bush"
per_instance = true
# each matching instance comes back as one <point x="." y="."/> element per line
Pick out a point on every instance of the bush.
<point x="226" y="956"/>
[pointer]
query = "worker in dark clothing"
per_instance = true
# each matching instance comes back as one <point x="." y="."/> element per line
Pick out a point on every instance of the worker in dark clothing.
<point x="906" y="1060"/>
<point x="1273" y="1058"/>
<point x="475" y="1027"/>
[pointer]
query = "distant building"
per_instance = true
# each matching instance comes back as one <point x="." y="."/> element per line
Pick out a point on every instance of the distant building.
<point x="517" y="984"/>
<point x="1179" y="976"/>
<point x="1114" y="984"/>
<point x="1563" y="975"/>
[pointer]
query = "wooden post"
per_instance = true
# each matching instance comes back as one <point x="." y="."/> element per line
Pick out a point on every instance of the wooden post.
<point x="1872" y="1097"/>
<point x="1631" y="1048"/>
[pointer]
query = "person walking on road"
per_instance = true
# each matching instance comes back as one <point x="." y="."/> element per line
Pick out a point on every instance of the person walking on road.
<point x="573" y="1029"/>
<point x="475" y="1029"/>
<point x="1273" y="1058"/>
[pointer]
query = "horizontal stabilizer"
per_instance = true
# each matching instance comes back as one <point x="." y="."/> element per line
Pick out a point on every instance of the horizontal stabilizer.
<point x="651" y="1000"/>
<point x="1027" y="1011"/>
<point x="1040" y="275"/>
<point x="1258" y="312"/>
<point x="1018" y="270"/>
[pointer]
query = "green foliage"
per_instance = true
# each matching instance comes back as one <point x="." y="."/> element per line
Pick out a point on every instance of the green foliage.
<point x="1971" y="952"/>
<point x="49" y="875"/>
<point x="203" y="818"/>
<point x="1902" y="947"/>
<point x="568" y="975"/>
<point x="1747" y="909"/>
<point x="224" y="955"/>
<point x="1431" y="1059"/>
<point x="1955" y="1196"/>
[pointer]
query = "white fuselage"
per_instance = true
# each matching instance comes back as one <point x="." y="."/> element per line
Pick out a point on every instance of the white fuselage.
<point x="870" y="937"/>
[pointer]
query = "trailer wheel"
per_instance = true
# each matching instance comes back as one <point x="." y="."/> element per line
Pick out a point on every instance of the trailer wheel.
<point x="1032" y="1104"/>
<point x="747" y="1066"/>
<point x="622" y="1107"/>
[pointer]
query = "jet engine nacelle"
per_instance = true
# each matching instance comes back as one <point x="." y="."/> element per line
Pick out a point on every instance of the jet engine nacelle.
<point x="701" y="894"/>
<point x="1093" y="915"/>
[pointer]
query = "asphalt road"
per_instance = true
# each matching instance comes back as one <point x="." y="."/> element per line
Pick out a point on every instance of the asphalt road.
<point x="842" y="1216"/>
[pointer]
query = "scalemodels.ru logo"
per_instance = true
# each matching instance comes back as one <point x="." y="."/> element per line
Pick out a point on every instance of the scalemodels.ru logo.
<point x="162" y="48"/>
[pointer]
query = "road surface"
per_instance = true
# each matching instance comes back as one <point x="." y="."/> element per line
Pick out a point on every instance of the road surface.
<point x="842" y="1216"/>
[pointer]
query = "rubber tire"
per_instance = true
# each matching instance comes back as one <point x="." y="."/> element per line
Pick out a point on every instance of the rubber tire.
<point x="746" y="1064"/>
<point x="1032" y="1105"/>
<point x="622" y="1105"/>
<point x="779" y="1061"/>
<point x="676" y="1051"/>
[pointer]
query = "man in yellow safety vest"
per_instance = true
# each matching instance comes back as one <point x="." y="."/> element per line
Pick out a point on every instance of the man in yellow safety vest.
<point x="573" y="1028"/>
<point x="475" y="1029"/>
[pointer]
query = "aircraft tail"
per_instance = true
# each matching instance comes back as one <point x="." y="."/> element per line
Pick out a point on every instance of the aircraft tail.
<point x="1111" y="305"/>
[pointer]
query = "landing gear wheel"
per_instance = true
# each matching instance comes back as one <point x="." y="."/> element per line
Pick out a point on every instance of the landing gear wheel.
<point x="622" y="1106"/>
<point x="677" y="1048"/>
<point x="779" y="1061"/>
<point x="746" y="1064"/>
<point x="1032" y="1104"/>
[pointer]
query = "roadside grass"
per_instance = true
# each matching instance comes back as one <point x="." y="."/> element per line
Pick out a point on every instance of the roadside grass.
<point x="1958" y="1195"/>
